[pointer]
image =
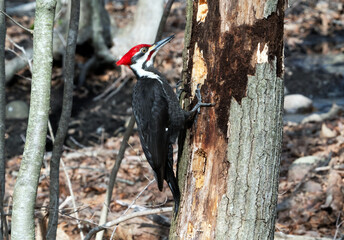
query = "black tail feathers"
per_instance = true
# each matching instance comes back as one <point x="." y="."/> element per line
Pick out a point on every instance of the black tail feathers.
<point x="173" y="184"/>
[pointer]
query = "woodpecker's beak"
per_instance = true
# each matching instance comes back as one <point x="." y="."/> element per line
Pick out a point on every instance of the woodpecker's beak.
<point x="156" y="46"/>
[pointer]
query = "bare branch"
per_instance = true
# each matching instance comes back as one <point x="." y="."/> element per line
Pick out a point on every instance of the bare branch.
<point x="113" y="93"/>
<point x="164" y="19"/>
<point x="114" y="172"/>
<point x="84" y="70"/>
<point x="132" y="203"/>
<point x="17" y="23"/>
<point x="28" y="57"/>
<point x="69" y="62"/>
<point x="76" y="142"/>
<point x="73" y="198"/>
<point x="18" y="63"/>
<point x="125" y="218"/>
<point x="111" y="87"/>
<point x="3" y="225"/>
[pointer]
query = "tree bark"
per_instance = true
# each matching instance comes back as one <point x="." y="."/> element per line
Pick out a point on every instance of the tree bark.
<point x="2" y="117"/>
<point x="69" y="62"/>
<point x="25" y="190"/>
<point x="99" y="40"/>
<point x="86" y="19"/>
<point x="229" y="167"/>
<point x="136" y="32"/>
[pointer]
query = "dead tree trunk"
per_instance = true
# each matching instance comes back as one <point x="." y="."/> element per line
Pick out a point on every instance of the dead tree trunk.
<point x="228" y="170"/>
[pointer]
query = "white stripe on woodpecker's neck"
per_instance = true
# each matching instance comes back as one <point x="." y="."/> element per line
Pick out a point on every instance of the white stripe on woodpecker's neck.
<point x="138" y="69"/>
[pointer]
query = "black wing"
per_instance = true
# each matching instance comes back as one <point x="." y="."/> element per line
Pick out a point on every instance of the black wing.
<point x="151" y="113"/>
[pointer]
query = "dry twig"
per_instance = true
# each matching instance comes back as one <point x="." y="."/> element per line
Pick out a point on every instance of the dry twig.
<point x="68" y="67"/>
<point x="17" y="23"/>
<point x="114" y="172"/>
<point x="28" y="56"/>
<point x="3" y="220"/>
<point x="125" y="218"/>
<point x="132" y="203"/>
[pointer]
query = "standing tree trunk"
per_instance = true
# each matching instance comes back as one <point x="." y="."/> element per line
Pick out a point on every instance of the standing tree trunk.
<point x="25" y="191"/>
<point x="142" y="29"/>
<point x="67" y="103"/>
<point x="2" y="118"/>
<point x="228" y="170"/>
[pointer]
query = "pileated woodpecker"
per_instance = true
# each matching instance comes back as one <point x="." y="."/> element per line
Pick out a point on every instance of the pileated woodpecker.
<point x="157" y="112"/>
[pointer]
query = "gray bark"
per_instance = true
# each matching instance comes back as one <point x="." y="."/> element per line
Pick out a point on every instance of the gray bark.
<point x="25" y="189"/>
<point x="2" y="118"/>
<point x="248" y="208"/>
<point x="69" y="62"/>
<point x="85" y="23"/>
<point x="142" y="30"/>
<point x="86" y="18"/>
<point x="98" y="37"/>
<point x="229" y="167"/>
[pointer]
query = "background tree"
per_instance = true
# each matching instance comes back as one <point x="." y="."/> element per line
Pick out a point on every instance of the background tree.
<point x="229" y="167"/>
<point x="2" y="117"/>
<point x="100" y="33"/>
<point x="69" y="62"/>
<point x="25" y="191"/>
<point x="310" y="175"/>
<point x="97" y="27"/>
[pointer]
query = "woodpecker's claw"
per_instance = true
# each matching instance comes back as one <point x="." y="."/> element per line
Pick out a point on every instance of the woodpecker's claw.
<point x="178" y="89"/>
<point x="200" y="104"/>
<point x="179" y="83"/>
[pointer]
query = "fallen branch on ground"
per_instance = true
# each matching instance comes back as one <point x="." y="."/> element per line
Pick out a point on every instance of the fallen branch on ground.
<point x="125" y="218"/>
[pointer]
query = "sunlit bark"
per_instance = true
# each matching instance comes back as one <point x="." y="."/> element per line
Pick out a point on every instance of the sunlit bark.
<point x="229" y="167"/>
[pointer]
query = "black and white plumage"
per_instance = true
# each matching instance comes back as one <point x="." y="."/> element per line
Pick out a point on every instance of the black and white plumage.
<point x="154" y="102"/>
<point x="157" y="112"/>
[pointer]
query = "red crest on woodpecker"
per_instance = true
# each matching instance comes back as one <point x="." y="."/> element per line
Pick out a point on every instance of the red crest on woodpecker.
<point x="126" y="59"/>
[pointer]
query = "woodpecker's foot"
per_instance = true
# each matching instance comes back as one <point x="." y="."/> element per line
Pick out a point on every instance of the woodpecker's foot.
<point x="179" y="92"/>
<point x="179" y="83"/>
<point x="178" y="89"/>
<point x="200" y="104"/>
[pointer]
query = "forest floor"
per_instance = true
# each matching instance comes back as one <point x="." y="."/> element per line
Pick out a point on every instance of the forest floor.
<point x="310" y="202"/>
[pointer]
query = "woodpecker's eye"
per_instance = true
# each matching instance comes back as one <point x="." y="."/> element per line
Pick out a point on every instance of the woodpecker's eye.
<point x="144" y="50"/>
